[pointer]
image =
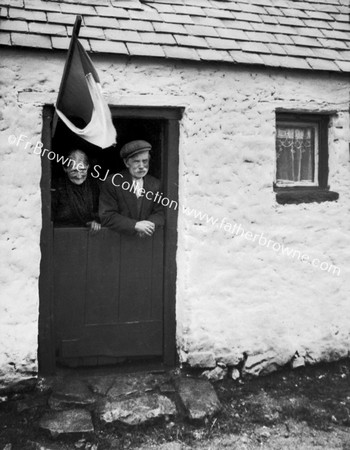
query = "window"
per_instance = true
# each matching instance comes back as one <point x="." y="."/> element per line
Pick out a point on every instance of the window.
<point x="302" y="158"/>
<point x="297" y="154"/>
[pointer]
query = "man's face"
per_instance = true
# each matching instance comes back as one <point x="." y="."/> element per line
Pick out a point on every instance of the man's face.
<point x="138" y="164"/>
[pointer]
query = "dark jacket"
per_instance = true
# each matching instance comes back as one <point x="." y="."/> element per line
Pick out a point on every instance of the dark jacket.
<point x="120" y="209"/>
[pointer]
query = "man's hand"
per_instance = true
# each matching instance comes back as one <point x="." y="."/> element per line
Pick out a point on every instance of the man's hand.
<point x="145" y="227"/>
<point x="94" y="226"/>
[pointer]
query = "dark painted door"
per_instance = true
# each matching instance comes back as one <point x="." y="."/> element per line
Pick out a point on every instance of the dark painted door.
<point x="91" y="300"/>
<point x="108" y="294"/>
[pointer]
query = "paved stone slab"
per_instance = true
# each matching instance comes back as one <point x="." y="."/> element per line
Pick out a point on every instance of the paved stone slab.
<point x="137" y="410"/>
<point x="198" y="397"/>
<point x="70" y="392"/>
<point x="66" y="422"/>
<point x="135" y="384"/>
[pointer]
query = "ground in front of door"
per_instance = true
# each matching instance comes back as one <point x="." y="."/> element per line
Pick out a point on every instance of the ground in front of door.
<point x="307" y="408"/>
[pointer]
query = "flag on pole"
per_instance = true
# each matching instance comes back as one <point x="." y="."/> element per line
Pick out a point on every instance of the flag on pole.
<point x="80" y="97"/>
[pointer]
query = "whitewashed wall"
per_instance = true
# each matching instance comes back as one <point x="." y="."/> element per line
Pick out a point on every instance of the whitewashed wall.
<point x="234" y="296"/>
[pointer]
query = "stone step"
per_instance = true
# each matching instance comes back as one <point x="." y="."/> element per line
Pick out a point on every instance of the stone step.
<point x="131" y="399"/>
<point x="68" y="393"/>
<point x="67" y="422"/>
<point x="137" y="410"/>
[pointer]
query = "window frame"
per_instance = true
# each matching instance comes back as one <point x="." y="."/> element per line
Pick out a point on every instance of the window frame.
<point x="320" y="122"/>
<point x="299" y="124"/>
<point x="299" y="192"/>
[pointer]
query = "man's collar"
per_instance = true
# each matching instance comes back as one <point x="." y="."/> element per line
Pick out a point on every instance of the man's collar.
<point x="137" y="179"/>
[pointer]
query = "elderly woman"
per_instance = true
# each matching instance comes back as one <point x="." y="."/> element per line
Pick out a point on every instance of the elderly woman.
<point x="75" y="196"/>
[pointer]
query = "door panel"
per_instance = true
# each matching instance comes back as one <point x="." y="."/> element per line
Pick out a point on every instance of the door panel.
<point x="108" y="292"/>
<point x="103" y="271"/>
<point x="70" y="249"/>
<point x="124" y="339"/>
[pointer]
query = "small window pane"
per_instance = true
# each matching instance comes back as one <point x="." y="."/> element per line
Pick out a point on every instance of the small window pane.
<point x="295" y="154"/>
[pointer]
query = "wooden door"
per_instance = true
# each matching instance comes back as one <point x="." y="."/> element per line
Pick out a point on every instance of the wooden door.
<point x="99" y="322"/>
<point x="108" y="294"/>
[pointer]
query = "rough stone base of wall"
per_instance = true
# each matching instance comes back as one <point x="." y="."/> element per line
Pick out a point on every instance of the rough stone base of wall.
<point x="17" y="365"/>
<point x="263" y="363"/>
<point x="15" y="381"/>
<point x="22" y="385"/>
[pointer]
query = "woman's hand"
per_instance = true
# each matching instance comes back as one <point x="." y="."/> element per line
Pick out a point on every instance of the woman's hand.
<point x="94" y="226"/>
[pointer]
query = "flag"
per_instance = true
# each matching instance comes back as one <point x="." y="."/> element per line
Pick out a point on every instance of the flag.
<point x="80" y="97"/>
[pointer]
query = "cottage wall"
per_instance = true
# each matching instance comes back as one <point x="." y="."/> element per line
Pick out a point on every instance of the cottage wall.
<point x="235" y="298"/>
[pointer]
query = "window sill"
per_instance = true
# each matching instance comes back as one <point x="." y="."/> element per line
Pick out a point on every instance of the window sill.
<point x="288" y="196"/>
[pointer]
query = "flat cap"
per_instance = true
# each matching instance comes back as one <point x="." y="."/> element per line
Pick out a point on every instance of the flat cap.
<point x="133" y="147"/>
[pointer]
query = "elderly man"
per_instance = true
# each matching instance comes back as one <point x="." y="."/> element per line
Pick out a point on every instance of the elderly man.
<point x="127" y="199"/>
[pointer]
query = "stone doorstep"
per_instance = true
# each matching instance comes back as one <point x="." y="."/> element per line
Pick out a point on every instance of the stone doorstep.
<point x="137" y="410"/>
<point x="196" y="395"/>
<point x="71" y="392"/>
<point x="60" y="403"/>
<point x="67" y="422"/>
<point x="135" y="384"/>
<point x="131" y="399"/>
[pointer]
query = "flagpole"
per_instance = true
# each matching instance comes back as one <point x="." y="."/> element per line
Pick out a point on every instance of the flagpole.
<point x="77" y="26"/>
<point x="75" y="34"/>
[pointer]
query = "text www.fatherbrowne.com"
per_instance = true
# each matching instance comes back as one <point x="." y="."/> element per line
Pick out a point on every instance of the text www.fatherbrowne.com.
<point x="236" y="229"/>
<point x="233" y="228"/>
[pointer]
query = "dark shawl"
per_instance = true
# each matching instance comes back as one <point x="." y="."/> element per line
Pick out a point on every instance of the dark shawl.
<point x="74" y="204"/>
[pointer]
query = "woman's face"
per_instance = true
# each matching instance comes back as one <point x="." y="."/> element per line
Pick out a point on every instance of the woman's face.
<point x="78" y="167"/>
<point x="77" y="175"/>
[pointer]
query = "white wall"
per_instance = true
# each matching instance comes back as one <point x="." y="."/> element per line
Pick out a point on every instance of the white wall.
<point x="234" y="296"/>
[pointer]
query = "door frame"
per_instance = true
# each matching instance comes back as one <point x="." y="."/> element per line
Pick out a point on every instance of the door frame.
<point x="170" y="176"/>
